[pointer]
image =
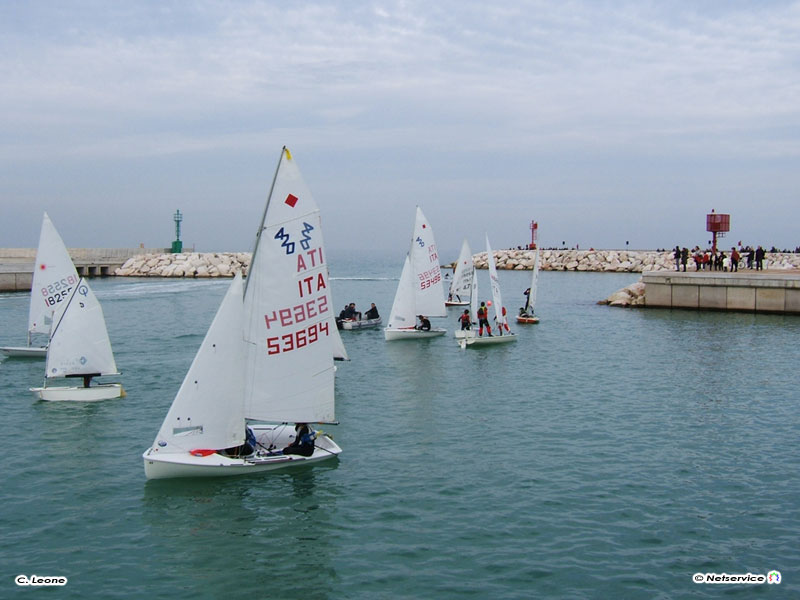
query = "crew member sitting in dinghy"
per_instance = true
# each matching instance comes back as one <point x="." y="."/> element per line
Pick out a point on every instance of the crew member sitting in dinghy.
<point x="303" y="443"/>
<point x="424" y="323"/>
<point x="372" y="313"/>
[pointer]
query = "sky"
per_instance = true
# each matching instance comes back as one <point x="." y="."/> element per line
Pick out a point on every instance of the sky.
<point x="611" y="124"/>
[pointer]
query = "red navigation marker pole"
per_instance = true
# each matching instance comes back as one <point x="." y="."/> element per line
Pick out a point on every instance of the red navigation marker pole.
<point x="534" y="231"/>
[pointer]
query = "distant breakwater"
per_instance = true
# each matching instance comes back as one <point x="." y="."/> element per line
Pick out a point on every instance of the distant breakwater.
<point x="226" y="264"/>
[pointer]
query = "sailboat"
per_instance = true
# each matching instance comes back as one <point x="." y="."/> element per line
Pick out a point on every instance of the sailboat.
<point x="472" y="288"/>
<point x="501" y="336"/>
<point x="527" y="315"/>
<point x="79" y="347"/>
<point x="54" y="279"/>
<point x="267" y="358"/>
<point x="458" y="294"/>
<point x="420" y="290"/>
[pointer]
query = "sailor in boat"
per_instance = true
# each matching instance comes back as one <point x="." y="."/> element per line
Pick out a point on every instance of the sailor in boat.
<point x="424" y="323"/>
<point x="351" y="312"/>
<point x="466" y="321"/>
<point x="503" y="322"/>
<point x="372" y="313"/>
<point x="483" y="319"/>
<point x="245" y="449"/>
<point x="303" y="443"/>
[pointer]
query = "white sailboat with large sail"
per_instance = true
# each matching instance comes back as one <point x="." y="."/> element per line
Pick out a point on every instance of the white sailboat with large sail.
<point x="502" y="336"/>
<point x="79" y="348"/>
<point x="267" y="359"/>
<point x="458" y="294"/>
<point x="420" y="290"/>
<point x="526" y="315"/>
<point x="54" y="279"/>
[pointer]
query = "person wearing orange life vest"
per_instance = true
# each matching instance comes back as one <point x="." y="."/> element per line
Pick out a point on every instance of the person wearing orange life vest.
<point x="483" y="319"/>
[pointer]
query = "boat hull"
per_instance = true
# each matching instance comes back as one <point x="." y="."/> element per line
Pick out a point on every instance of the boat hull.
<point x="181" y="465"/>
<point x="527" y="320"/>
<point x="411" y="334"/>
<point x="456" y="303"/>
<point x="24" y="351"/>
<point x="351" y="324"/>
<point x="95" y="393"/>
<point x="474" y="341"/>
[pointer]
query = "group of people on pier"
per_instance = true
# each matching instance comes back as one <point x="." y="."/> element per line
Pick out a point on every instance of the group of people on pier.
<point x="711" y="260"/>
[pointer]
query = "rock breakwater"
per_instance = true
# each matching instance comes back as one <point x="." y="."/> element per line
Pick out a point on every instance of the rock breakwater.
<point x="186" y="264"/>
<point x="225" y="264"/>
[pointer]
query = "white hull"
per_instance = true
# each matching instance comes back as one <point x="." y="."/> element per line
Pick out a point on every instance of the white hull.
<point x="488" y="340"/>
<point x="24" y="351"/>
<point x="411" y="334"/>
<point x="455" y="303"/>
<point x="168" y="466"/>
<point x="350" y="324"/>
<point x="104" y="391"/>
<point x="460" y="334"/>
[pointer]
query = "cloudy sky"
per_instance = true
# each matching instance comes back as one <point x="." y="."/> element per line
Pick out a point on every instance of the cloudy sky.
<point x="606" y="122"/>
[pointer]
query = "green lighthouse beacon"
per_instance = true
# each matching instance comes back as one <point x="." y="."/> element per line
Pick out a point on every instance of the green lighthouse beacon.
<point x="177" y="245"/>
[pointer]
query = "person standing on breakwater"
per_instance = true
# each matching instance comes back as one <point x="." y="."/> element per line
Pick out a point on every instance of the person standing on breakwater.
<point x="684" y="257"/>
<point x="750" y="257"/>
<point x="759" y="259"/>
<point x="734" y="260"/>
<point x="677" y="255"/>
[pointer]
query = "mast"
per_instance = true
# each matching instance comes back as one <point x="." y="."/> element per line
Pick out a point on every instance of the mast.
<point x="264" y="218"/>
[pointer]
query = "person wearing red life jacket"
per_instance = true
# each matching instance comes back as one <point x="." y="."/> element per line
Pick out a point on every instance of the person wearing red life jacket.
<point x="464" y="319"/>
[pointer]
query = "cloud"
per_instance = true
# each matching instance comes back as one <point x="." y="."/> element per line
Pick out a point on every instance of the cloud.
<point x="462" y="97"/>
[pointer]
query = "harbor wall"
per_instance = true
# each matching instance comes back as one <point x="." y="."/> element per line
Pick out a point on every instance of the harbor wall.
<point x="776" y="292"/>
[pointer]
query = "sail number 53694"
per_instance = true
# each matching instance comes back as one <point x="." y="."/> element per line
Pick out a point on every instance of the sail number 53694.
<point x="296" y="339"/>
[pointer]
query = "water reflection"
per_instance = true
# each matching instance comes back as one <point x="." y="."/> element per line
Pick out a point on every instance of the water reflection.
<point x="249" y="534"/>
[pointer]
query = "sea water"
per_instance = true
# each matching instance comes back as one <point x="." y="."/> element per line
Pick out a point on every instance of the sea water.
<point x="608" y="453"/>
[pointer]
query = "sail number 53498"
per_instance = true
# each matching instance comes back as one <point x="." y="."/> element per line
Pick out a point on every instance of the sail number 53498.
<point x="296" y="339"/>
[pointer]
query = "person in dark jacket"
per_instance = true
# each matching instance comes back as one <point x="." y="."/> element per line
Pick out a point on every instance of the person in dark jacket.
<point x="372" y="313"/>
<point x="424" y="323"/>
<point x="760" y="258"/>
<point x="303" y="443"/>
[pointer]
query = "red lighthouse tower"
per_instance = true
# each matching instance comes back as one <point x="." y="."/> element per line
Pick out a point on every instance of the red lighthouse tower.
<point x="718" y="225"/>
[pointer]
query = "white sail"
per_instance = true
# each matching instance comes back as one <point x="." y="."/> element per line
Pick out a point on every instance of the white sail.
<point x="54" y="278"/>
<point x="427" y="274"/>
<point x="497" y="299"/>
<point x="530" y="303"/>
<point x="79" y="343"/>
<point x="208" y="411"/>
<point x="289" y="373"/>
<point x="473" y="298"/>
<point x="339" y="351"/>
<point x="403" y="314"/>
<point x="462" y="275"/>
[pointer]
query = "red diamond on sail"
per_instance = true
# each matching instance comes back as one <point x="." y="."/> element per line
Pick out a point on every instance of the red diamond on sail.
<point x="291" y="200"/>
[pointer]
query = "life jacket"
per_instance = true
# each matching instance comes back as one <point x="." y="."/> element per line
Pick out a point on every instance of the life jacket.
<point x="482" y="312"/>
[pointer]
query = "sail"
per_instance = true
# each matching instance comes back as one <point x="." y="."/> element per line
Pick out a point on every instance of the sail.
<point x="462" y="275"/>
<point x="54" y="278"/>
<point x="427" y="274"/>
<point x="473" y="298"/>
<point x="403" y="314"/>
<point x="79" y="343"/>
<point x="530" y="303"/>
<point x="339" y="351"/>
<point x="289" y="373"/>
<point x="208" y="410"/>
<point x="497" y="299"/>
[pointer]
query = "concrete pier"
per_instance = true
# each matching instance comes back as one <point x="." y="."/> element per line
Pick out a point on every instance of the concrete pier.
<point x="748" y="291"/>
<point x="16" y="264"/>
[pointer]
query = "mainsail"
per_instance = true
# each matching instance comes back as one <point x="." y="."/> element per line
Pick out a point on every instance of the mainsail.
<point x="289" y="373"/>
